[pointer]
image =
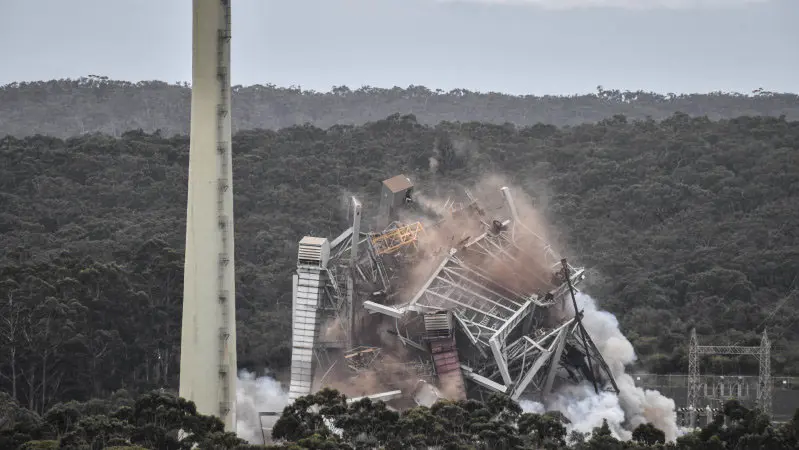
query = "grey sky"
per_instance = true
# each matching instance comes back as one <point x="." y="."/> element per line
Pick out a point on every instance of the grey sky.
<point x="516" y="46"/>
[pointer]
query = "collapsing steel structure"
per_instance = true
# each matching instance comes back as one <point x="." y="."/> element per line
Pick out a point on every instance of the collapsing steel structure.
<point x="484" y="299"/>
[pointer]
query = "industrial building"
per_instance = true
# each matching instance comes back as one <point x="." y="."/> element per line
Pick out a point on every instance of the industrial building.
<point x="438" y="302"/>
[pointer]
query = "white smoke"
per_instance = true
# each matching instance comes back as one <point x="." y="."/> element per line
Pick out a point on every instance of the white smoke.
<point x="632" y="407"/>
<point x="619" y="4"/>
<point x="584" y="408"/>
<point x="530" y="406"/>
<point x="255" y="395"/>
<point x="640" y="406"/>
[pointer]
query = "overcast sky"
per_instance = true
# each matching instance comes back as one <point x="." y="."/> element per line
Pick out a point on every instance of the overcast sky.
<point x="515" y="46"/>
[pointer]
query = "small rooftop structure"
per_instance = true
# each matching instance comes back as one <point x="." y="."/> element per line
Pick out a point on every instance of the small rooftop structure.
<point x="396" y="192"/>
<point x="313" y="251"/>
<point x="397" y="184"/>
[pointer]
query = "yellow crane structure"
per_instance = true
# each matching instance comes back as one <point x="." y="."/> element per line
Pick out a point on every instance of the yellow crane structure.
<point x="393" y="240"/>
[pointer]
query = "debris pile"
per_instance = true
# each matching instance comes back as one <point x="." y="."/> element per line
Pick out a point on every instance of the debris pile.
<point x="447" y="302"/>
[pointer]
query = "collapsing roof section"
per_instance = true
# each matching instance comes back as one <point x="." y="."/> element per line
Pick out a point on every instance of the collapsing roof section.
<point x="506" y="299"/>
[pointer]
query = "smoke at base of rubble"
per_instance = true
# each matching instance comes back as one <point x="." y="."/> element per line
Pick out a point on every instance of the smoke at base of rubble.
<point x="632" y="407"/>
<point x="254" y="395"/>
<point x="580" y="404"/>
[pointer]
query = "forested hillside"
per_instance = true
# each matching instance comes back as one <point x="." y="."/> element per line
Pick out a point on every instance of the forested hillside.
<point x="684" y="222"/>
<point x="66" y="108"/>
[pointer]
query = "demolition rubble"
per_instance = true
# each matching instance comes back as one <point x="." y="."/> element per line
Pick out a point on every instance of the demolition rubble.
<point x="450" y="304"/>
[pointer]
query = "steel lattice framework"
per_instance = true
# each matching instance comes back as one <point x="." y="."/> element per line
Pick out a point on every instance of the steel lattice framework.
<point x="497" y="306"/>
<point x="763" y="354"/>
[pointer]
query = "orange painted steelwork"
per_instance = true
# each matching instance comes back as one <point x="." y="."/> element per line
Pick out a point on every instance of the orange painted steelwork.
<point x="394" y="240"/>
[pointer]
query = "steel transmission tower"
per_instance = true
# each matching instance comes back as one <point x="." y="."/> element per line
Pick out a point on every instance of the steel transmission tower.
<point x="763" y="353"/>
<point x="208" y="340"/>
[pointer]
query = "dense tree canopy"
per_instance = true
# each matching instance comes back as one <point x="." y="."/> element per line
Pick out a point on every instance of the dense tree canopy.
<point x="684" y="222"/>
<point x="325" y="420"/>
<point x="66" y="108"/>
<point x="152" y="421"/>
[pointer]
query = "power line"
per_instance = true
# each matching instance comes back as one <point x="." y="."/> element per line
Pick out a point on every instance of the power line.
<point x="790" y="295"/>
<point x="782" y="303"/>
<point x="777" y="308"/>
<point x="785" y="329"/>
